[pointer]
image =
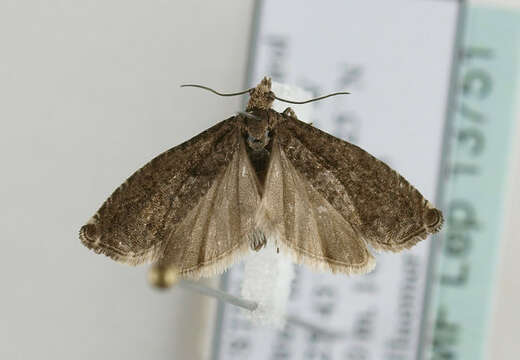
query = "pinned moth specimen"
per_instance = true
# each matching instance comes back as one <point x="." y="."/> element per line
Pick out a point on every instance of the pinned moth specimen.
<point x="255" y="177"/>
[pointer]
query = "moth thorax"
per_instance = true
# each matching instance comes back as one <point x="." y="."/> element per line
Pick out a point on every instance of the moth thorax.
<point x="258" y="136"/>
<point x="261" y="96"/>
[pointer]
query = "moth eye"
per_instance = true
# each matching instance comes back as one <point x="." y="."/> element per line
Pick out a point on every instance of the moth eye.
<point x="88" y="232"/>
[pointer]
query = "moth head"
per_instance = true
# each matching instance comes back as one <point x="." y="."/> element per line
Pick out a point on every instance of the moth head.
<point x="261" y="96"/>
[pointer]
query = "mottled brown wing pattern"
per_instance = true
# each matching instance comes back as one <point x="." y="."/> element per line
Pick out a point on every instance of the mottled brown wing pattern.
<point x="200" y="205"/>
<point x="215" y="232"/>
<point x="380" y="204"/>
<point x="135" y="222"/>
<point x="305" y="224"/>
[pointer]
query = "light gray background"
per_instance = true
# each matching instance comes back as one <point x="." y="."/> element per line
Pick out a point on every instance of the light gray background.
<point x="89" y="93"/>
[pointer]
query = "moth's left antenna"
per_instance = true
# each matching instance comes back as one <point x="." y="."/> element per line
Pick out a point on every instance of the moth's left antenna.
<point x="216" y="92"/>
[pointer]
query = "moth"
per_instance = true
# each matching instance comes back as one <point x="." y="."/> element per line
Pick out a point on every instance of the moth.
<point x="255" y="177"/>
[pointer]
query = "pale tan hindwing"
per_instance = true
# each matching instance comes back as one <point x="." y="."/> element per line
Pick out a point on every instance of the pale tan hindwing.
<point x="305" y="224"/>
<point x="214" y="234"/>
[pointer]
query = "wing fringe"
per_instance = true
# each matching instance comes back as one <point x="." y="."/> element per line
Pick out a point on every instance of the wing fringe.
<point x="217" y="265"/>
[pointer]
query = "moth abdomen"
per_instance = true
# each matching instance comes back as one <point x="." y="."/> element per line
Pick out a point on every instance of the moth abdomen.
<point x="257" y="240"/>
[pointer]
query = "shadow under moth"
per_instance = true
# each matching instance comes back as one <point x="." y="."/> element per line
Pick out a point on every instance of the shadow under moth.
<point x="260" y="176"/>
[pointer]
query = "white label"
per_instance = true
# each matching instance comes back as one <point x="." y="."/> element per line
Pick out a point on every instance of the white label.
<point x="395" y="58"/>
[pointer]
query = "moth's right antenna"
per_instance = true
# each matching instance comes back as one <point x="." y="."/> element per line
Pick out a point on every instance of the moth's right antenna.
<point x="311" y="100"/>
<point x="216" y="92"/>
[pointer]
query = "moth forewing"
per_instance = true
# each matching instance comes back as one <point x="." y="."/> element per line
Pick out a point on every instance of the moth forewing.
<point x="385" y="209"/>
<point x="134" y="224"/>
